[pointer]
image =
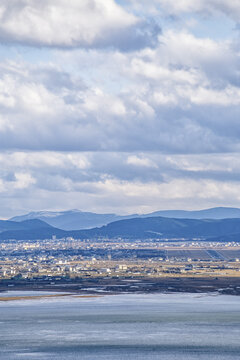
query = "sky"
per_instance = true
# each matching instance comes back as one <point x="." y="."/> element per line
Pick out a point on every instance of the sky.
<point x="127" y="106"/>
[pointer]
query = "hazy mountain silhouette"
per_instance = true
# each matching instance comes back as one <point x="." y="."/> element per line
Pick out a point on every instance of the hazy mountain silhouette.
<point x="136" y="228"/>
<point x="72" y="219"/>
<point x="76" y="219"/>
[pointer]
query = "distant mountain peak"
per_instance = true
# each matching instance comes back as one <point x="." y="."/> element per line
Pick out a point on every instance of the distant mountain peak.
<point x="35" y="223"/>
<point x="77" y="219"/>
<point x="155" y="227"/>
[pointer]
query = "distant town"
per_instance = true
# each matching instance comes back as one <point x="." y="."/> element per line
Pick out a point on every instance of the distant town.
<point x="120" y="265"/>
<point x="114" y="254"/>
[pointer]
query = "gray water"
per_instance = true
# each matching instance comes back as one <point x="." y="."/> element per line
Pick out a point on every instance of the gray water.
<point x="162" y="326"/>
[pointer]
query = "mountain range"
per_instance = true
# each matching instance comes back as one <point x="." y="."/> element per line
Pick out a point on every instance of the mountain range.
<point x="72" y="219"/>
<point x="167" y="228"/>
<point x="136" y="228"/>
<point x="77" y="220"/>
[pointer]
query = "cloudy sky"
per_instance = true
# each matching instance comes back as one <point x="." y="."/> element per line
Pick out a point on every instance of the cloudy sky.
<point x="119" y="105"/>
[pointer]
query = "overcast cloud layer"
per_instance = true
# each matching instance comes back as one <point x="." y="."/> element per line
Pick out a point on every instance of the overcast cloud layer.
<point x="123" y="106"/>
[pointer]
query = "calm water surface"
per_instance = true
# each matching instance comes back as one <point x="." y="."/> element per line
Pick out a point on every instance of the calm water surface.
<point x="162" y="326"/>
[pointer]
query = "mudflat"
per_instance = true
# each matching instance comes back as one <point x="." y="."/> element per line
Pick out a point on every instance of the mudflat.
<point x="101" y="286"/>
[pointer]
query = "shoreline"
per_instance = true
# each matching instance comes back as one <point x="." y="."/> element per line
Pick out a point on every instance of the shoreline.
<point x="38" y="297"/>
<point x="110" y="286"/>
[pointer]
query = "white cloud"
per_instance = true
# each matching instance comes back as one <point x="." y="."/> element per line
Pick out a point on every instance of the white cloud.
<point x="23" y="180"/>
<point x="2" y="187"/>
<point x="49" y="109"/>
<point x="140" y="161"/>
<point x="104" y="129"/>
<point x="204" y="96"/>
<point x="118" y="182"/>
<point x="229" y="8"/>
<point x="157" y="72"/>
<point x="63" y="23"/>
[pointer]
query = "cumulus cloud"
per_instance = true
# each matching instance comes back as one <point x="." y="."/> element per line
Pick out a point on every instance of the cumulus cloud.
<point x="116" y="115"/>
<point x="140" y="161"/>
<point x="229" y="8"/>
<point x="122" y="182"/>
<point x="73" y="23"/>
<point x="170" y="103"/>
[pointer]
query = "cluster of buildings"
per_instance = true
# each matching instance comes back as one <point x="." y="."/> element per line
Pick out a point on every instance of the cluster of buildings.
<point x="74" y="259"/>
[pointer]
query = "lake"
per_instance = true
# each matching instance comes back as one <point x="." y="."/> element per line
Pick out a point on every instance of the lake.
<point x="150" y="326"/>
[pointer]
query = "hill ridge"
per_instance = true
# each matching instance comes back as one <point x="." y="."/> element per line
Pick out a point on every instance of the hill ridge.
<point x="77" y="219"/>
<point x="135" y="228"/>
